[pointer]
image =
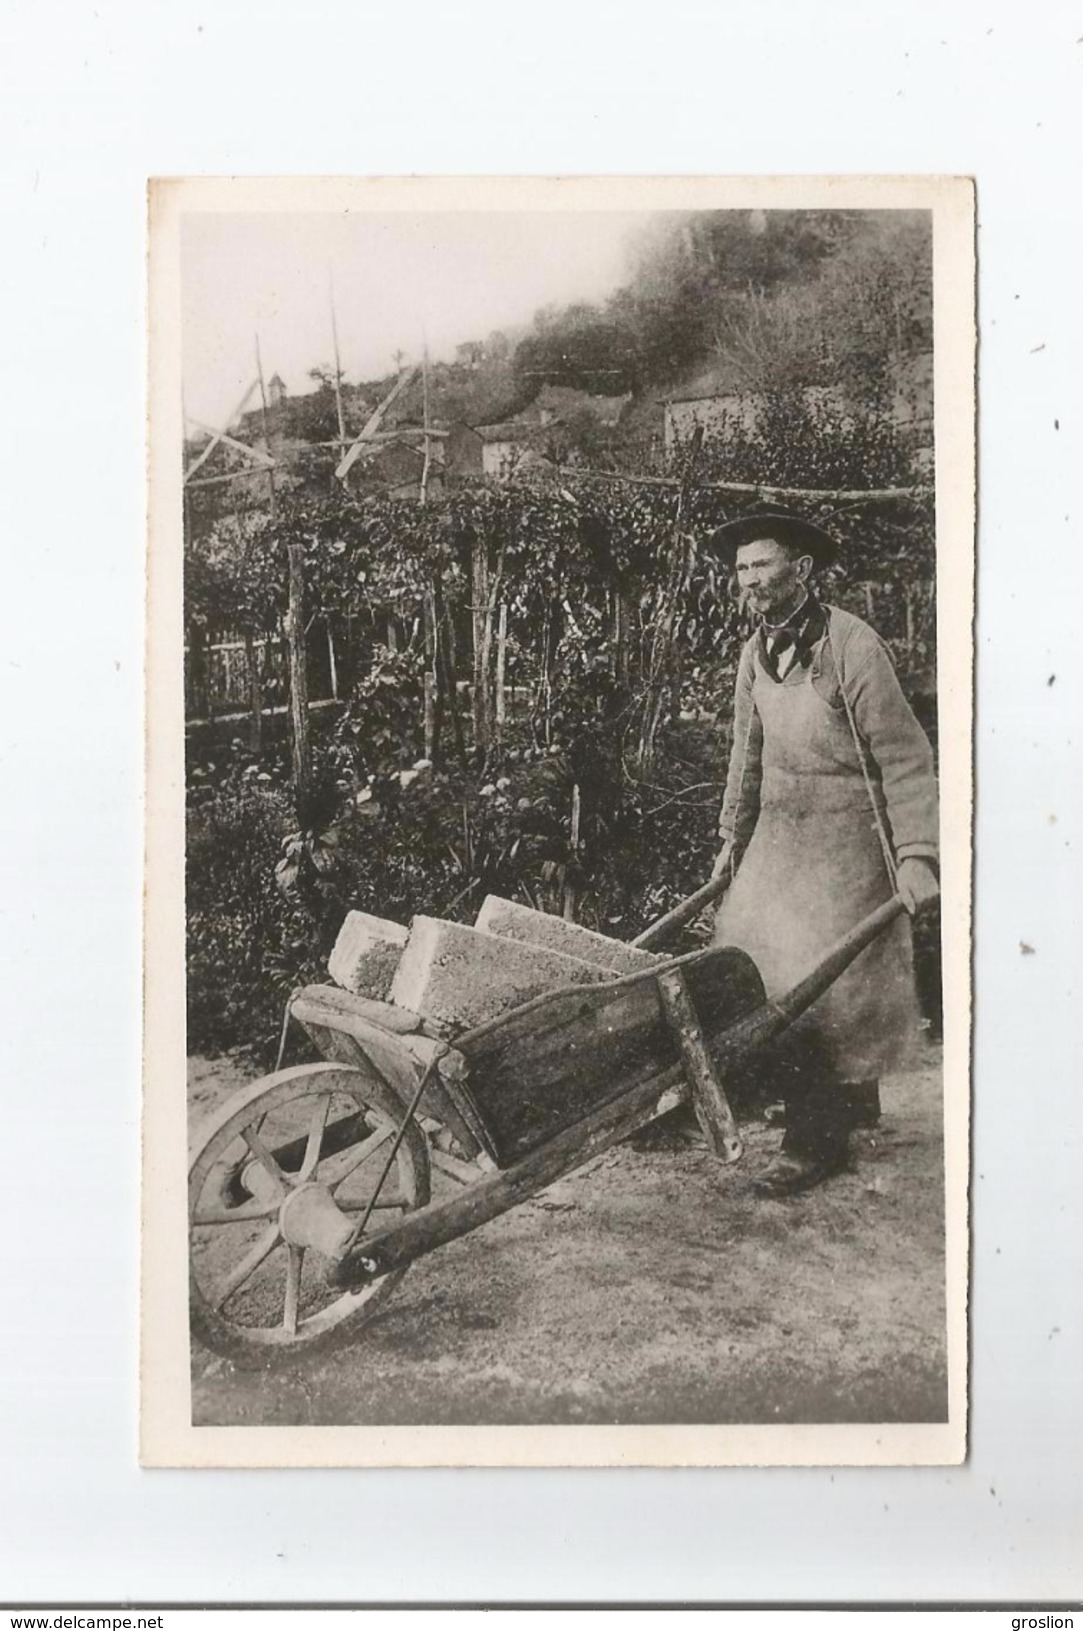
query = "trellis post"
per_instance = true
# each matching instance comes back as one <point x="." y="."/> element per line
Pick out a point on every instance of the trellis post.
<point x="295" y="643"/>
<point x="338" y="368"/>
<point x="501" y="670"/>
<point x="431" y="681"/>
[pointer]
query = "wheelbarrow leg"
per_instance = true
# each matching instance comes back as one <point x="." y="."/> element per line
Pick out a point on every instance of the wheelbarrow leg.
<point x="708" y="1095"/>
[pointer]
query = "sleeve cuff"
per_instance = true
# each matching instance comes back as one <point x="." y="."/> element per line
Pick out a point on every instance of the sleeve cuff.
<point x="919" y="852"/>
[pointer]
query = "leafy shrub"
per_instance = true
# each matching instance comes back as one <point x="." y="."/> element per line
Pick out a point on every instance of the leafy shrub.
<point x="247" y="945"/>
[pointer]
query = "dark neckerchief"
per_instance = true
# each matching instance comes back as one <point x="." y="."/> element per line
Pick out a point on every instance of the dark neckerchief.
<point x="801" y="630"/>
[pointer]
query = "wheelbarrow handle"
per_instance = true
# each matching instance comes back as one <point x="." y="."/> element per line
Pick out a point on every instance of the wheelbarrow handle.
<point x="660" y="932"/>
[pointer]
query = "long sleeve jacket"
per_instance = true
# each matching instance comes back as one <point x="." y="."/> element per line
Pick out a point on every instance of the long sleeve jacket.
<point x="852" y="658"/>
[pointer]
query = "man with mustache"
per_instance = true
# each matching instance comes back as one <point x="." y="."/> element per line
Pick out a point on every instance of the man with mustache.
<point x="830" y="808"/>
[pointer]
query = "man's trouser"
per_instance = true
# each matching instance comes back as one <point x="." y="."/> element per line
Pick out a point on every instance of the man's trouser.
<point x="821" y="1110"/>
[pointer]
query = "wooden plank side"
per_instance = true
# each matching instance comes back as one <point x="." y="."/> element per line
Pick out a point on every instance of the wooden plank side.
<point x="548" y="1067"/>
<point x="423" y="1231"/>
<point x="345" y="1040"/>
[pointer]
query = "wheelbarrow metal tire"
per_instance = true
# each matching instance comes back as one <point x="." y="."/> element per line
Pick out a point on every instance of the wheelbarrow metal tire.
<point x="274" y="1306"/>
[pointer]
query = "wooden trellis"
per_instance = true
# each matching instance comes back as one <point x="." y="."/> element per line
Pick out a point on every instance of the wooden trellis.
<point x="489" y="600"/>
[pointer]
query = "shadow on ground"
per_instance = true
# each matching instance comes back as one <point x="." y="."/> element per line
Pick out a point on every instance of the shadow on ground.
<point x="650" y="1288"/>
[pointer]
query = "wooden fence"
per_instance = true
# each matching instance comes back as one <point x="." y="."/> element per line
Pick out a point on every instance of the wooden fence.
<point x="220" y="685"/>
<point x="219" y="682"/>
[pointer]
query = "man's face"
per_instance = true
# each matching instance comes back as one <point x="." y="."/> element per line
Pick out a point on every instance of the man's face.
<point x="770" y="578"/>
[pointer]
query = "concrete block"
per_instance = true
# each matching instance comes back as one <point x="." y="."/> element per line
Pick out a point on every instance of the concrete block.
<point x="515" y="922"/>
<point x="367" y="954"/>
<point x="459" y="977"/>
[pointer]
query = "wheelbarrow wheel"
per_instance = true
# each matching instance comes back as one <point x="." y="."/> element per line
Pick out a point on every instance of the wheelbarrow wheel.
<point x="312" y="1139"/>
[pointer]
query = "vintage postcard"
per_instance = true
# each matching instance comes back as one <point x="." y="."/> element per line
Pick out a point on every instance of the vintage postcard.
<point x="559" y="805"/>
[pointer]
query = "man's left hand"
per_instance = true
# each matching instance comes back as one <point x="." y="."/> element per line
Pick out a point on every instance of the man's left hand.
<point x="917" y="883"/>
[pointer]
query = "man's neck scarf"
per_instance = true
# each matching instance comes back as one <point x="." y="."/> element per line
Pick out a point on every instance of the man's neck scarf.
<point x="789" y="644"/>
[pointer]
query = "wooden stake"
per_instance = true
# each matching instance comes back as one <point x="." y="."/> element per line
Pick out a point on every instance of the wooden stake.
<point x="295" y="640"/>
<point x="445" y="660"/>
<point x="265" y="422"/>
<point x="432" y="677"/>
<point x="261" y="461"/>
<point x="199" y="679"/>
<point x="338" y="369"/>
<point x="569" y="888"/>
<point x="231" y="475"/>
<point x="254" y="687"/>
<point x="760" y="489"/>
<point x="548" y="650"/>
<point x="427" y="453"/>
<point x="501" y="669"/>
<point x="215" y="439"/>
<point x="480" y="602"/>
<point x="372" y="424"/>
<point x="430" y="680"/>
<point x="332" y="664"/>
<point x="664" y="662"/>
<point x="255" y="697"/>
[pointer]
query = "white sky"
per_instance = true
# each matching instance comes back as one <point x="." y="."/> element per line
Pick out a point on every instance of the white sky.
<point x="454" y="276"/>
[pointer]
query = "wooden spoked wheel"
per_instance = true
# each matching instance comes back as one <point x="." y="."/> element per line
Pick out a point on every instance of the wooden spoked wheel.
<point x="294" y="1157"/>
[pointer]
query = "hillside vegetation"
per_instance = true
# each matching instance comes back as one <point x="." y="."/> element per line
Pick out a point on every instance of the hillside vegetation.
<point x="532" y="678"/>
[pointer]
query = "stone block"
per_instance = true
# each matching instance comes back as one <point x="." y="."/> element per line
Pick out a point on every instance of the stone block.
<point x="459" y="977"/>
<point x="367" y="954"/>
<point x="515" y="922"/>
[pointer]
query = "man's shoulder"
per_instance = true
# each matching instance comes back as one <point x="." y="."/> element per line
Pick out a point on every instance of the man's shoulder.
<point x="851" y="634"/>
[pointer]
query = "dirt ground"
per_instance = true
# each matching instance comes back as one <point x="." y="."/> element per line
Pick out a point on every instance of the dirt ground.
<point x="650" y="1288"/>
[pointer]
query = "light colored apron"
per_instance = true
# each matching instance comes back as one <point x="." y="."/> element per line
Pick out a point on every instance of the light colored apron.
<point x="813" y="868"/>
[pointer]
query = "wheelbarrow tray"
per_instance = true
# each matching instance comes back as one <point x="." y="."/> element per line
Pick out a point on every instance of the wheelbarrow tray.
<point x="540" y="1091"/>
<point x="546" y="1065"/>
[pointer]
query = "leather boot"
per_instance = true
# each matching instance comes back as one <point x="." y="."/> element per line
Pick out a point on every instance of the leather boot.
<point x="816" y="1143"/>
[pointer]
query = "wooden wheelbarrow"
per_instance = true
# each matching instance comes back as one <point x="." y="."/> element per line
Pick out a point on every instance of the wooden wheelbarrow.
<point x="311" y="1191"/>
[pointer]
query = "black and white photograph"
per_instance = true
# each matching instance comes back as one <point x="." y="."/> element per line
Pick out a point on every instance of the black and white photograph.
<point x="559" y="822"/>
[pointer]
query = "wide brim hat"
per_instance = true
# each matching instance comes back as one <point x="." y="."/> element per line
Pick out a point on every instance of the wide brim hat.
<point x="792" y="531"/>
